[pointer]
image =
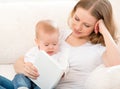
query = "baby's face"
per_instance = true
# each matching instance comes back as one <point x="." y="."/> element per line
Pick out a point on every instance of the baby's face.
<point x="49" y="43"/>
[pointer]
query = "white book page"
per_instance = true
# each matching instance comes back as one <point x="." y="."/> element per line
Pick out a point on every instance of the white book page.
<point x="50" y="71"/>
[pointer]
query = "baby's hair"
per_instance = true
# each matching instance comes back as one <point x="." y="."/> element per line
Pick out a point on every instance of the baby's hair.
<point x="47" y="26"/>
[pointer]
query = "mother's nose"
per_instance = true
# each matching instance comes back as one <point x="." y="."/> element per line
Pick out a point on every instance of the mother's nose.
<point x="78" y="27"/>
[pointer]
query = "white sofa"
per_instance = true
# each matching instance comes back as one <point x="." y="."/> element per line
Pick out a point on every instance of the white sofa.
<point x="17" y="22"/>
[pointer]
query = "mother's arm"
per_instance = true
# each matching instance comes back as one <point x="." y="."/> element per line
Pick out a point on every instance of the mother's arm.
<point x="26" y="68"/>
<point x="111" y="56"/>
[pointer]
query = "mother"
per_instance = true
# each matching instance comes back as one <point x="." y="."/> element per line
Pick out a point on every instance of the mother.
<point x="91" y="42"/>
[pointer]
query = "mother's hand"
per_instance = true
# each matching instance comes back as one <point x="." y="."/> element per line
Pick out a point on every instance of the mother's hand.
<point x="30" y="70"/>
<point x="100" y="27"/>
<point x="27" y="68"/>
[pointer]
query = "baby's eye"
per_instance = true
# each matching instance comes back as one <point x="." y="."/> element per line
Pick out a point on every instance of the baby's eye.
<point x="77" y="19"/>
<point x="46" y="44"/>
<point x="54" y="44"/>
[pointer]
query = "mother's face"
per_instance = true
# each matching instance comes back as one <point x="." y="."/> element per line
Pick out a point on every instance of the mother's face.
<point x="82" y="23"/>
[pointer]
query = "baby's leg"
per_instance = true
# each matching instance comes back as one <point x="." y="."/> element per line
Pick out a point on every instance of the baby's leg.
<point x="2" y="87"/>
<point x="5" y="83"/>
<point x="20" y="81"/>
<point x="34" y="86"/>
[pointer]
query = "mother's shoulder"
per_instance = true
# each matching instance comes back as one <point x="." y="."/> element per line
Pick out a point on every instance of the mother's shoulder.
<point x="64" y="33"/>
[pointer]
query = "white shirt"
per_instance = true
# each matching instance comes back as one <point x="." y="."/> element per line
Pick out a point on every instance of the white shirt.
<point x="82" y="61"/>
<point x="61" y="57"/>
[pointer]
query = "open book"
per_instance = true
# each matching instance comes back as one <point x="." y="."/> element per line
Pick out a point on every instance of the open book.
<point x="49" y="69"/>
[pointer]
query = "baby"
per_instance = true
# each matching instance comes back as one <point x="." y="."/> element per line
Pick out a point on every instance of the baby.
<point x="47" y="39"/>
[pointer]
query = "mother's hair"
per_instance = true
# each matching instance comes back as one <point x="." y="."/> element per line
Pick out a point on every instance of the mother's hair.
<point x="100" y="9"/>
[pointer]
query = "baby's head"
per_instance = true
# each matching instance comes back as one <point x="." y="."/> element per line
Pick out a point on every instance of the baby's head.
<point x="47" y="36"/>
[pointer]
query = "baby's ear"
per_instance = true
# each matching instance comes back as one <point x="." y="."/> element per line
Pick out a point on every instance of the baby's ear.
<point x="36" y="41"/>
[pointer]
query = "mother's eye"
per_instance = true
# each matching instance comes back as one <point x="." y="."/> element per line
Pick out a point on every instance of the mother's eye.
<point x="86" y="25"/>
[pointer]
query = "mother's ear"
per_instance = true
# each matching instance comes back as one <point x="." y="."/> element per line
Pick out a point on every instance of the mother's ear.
<point x="96" y="28"/>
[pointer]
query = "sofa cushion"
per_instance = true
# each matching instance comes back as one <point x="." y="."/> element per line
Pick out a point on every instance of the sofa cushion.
<point x="7" y="71"/>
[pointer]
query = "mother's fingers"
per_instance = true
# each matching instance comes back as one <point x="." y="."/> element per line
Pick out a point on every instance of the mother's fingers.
<point x="102" y="27"/>
<point x="99" y="26"/>
<point x="30" y="70"/>
<point x="30" y="75"/>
